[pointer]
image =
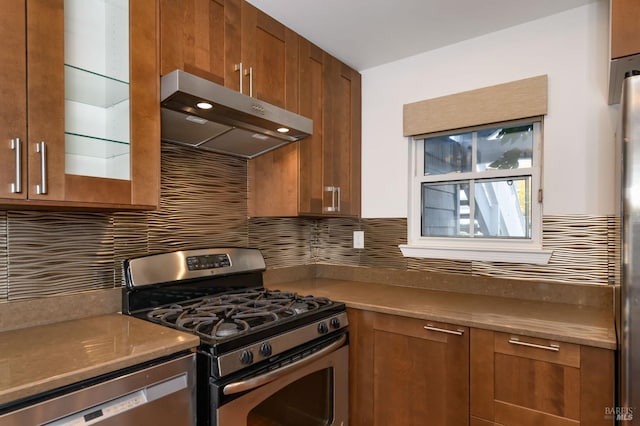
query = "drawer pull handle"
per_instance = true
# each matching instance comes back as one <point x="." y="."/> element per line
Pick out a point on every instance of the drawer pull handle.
<point x="551" y="347"/>
<point x="443" y="330"/>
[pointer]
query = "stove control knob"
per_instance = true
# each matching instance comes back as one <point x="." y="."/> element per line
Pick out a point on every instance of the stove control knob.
<point x="322" y="328"/>
<point x="246" y="357"/>
<point x="335" y="322"/>
<point x="265" y="349"/>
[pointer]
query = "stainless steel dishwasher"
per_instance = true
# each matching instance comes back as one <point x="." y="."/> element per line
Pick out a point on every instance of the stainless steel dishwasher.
<point x="161" y="393"/>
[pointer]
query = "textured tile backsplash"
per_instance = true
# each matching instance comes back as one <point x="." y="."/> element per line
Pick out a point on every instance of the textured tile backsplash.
<point x="204" y="203"/>
<point x="53" y="253"/>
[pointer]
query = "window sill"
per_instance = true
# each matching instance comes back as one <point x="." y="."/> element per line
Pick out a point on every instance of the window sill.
<point x="508" y="254"/>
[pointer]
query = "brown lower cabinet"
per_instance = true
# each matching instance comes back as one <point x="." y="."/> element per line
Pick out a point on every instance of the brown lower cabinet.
<point x="407" y="371"/>
<point x="524" y="381"/>
<point x="405" y="374"/>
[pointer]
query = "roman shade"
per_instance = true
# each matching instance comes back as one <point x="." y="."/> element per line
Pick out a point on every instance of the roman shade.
<point x="503" y="102"/>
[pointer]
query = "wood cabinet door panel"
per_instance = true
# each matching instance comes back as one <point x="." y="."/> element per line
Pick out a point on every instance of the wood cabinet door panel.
<point x="45" y="94"/>
<point x="538" y="385"/>
<point x="192" y="38"/>
<point x="273" y="183"/>
<point x="270" y="59"/>
<point x="232" y="42"/>
<point x="13" y="118"/>
<point x="361" y="379"/>
<point x="342" y="135"/>
<point x="145" y="106"/>
<point x="597" y="385"/>
<point x="142" y="190"/>
<point x="420" y="376"/>
<point x="516" y="385"/>
<point x="481" y="370"/>
<point x="312" y="78"/>
<point x="625" y="37"/>
<point x="268" y="50"/>
<point x="401" y="394"/>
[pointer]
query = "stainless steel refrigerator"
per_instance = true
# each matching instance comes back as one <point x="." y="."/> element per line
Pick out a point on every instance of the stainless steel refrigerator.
<point x="627" y="410"/>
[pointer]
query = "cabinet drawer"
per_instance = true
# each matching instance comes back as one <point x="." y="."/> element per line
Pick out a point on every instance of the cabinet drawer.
<point x="539" y="349"/>
<point x="535" y="379"/>
<point x="422" y="329"/>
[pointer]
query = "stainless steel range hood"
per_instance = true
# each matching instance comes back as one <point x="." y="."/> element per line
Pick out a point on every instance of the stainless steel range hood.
<point x="235" y="124"/>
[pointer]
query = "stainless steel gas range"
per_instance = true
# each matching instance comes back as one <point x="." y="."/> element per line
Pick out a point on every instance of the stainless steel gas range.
<point x="265" y="357"/>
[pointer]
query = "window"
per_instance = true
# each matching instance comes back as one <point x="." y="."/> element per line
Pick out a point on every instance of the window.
<point x="474" y="194"/>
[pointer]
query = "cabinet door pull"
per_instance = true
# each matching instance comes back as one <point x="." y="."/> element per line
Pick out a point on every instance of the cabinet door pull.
<point x="238" y="67"/>
<point x="443" y="330"/>
<point x="16" y="144"/>
<point x="331" y="189"/>
<point x="41" y="147"/>
<point x="550" y="347"/>
<point x="338" y="197"/>
<point x="250" y="74"/>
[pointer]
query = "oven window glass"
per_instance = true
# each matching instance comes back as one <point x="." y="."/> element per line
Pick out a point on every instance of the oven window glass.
<point x="308" y="401"/>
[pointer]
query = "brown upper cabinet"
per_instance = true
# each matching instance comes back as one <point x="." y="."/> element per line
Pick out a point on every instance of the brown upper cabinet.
<point x="341" y="140"/>
<point x="201" y="37"/>
<point x="269" y="59"/>
<point x="52" y="154"/>
<point x="625" y="37"/>
<point x="320" y="175"/>
<point x="231" y="43"/>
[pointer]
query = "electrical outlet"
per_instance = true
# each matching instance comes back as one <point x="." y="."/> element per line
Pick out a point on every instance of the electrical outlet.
<point x="358" y="239"/>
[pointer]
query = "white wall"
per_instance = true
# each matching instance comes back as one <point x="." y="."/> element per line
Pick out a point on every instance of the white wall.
<point x="570" y="47"/>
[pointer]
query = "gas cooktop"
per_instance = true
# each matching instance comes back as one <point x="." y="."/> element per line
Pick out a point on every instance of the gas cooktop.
<point x="232" y="315"/>
<point x="218" y="294"/>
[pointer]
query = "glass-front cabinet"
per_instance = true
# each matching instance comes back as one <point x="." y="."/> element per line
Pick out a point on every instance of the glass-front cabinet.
<point x="96" y="88"/>
<point x="91" y="135"/>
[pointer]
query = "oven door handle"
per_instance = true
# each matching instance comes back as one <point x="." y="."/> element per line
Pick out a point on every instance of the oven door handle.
<point x="263" y="379"/>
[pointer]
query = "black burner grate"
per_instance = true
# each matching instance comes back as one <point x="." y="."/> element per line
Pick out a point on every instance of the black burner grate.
<point x="229" y="315"/>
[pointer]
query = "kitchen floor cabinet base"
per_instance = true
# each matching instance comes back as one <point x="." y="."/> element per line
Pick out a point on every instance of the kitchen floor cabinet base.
<point x="407" y="371"/>
<point x="524" y="381"/>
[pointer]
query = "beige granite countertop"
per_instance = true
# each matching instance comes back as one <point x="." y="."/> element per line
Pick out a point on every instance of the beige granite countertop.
<point x="588" y="325"/>
<point x="42" y="358"/>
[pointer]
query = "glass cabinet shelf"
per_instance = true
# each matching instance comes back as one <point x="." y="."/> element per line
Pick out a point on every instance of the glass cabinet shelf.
<point x="90" y="146"/>
<point x="91" y="88"/>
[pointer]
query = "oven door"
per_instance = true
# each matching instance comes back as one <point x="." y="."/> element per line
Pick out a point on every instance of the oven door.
<point x="312" y="391"/>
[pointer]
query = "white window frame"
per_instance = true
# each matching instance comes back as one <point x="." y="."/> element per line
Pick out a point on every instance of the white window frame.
<point x="480" y="249"/>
